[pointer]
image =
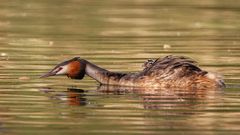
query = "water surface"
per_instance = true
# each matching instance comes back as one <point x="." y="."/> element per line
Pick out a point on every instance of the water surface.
<point x="35" y="35"/>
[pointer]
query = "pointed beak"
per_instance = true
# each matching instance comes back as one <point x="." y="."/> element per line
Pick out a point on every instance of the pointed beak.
<point x="48" y="74"/>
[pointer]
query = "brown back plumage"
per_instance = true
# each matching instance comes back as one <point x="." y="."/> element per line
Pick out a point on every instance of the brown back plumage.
<point x="172" y="67"/>
<point x="172" y="71"/>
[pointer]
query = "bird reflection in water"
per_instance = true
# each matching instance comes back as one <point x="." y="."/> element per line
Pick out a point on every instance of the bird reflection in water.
<point x="73" y="96"/>
<point x="147" y="98"/>
<point x="166" y="98"/>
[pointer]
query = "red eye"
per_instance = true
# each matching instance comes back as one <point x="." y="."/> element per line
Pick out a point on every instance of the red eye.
<point x="60" y="68"/>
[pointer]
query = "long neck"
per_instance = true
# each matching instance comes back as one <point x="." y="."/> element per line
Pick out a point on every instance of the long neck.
<point x="103" y="76"/>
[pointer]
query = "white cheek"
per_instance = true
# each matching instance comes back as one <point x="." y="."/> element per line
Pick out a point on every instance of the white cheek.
<point x="63" y="71"/>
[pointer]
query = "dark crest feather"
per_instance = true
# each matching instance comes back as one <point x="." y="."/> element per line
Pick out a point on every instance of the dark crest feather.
<point x="66" y="62"/>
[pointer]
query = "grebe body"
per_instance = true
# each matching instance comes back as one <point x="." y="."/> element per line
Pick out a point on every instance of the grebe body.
<point x="168" y="72"/>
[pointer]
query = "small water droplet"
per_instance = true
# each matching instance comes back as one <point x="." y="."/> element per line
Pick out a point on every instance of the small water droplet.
<point x="50" y="42"/>
<point x="3" y="54"/>
<point x="23" y="78"/>
<point x="166" y="46"/>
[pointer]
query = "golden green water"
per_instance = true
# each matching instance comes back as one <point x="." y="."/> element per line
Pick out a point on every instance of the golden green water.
<point x="118" y="35"/>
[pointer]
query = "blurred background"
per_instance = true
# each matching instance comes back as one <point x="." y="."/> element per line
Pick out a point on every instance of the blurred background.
<point x="118" y="35"/>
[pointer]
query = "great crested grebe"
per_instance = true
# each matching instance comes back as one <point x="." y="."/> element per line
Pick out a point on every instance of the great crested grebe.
<point x="168" y="72"/>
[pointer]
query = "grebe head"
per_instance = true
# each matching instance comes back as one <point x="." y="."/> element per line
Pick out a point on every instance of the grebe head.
<point x="73" y="68"/>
